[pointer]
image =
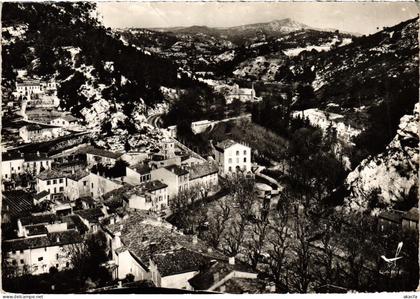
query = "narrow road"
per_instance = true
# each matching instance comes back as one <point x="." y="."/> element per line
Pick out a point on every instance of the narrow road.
<point x="154" y="120"/>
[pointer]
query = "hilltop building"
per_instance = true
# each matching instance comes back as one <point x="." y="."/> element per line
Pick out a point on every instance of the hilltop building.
<point x="242" y="94"/>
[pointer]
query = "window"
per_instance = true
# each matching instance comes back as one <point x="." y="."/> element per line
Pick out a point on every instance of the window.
<point x="230" y="160"/>
<point x="18" y="167"/>
<point x="13" y="252"/>
<point x="244" y="152"/>
<point x="54" y="182"/>
<point x="22" y="261"/>
<point x="21" y="251"/>
<point x="61" y="181"/>
<point x="14" y="262"/>
<point x="40" y="259"/>
<point x="244" y="159"/>
<point x="91" y="185"/>
<point x="57" y="256"/>
<point x="61" y="189"/>
<point x="230" y="168"/>
<point x="84" y="183"/>
<point x="5" y="176"/>
<point x="237" y="153"/>
<point x="237" y="160"/>
<point x="13" y="168"/>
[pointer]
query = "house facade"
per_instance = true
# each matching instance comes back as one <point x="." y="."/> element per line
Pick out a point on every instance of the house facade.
<point x="36" y="255"/>
<point x="17" y="163"/>
<point x="152" y="195"/>
<point x="38" y="133"/>
<point x="176" y="177"/>
<point x="65" y="121"/>
<point x="232" y="157"/>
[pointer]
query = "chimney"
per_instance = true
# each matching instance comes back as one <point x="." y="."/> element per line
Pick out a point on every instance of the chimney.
<point x="194" y="239"/>
<point x="232" y="260"/>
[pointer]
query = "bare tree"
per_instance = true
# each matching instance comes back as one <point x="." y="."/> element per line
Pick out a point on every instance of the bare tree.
<point x="235" y="236"/>
<point x="218" y="222"/>
<point x="303" y="262"/>
<point x="256" y="244"/>
<point x="278" y="244"/>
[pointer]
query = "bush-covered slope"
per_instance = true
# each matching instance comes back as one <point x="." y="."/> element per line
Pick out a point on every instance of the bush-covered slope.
<point x="65" y="41"/>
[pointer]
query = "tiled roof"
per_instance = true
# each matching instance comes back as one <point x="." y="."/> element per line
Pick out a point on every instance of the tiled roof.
<point x="78" y="174"/>
<point x="145" y="235"/>
<point x="41" y="194"/>
<point x="56" y="173"/>
<point x="37" y="229"/>
<point x="52" y="239"/>
<point x="38" y="219"/>
<point x="34" y="82"/>
<point x="392" y="215"/>
<point x="141" y="168"/>
<point x="245" y="286"/>
<point x="17" y="203"/>
<point x="222" y="145"/>
<point x="91" y="215"/>
<point x="52" y="174"/>
<point x="36" y="127"/>
<point x="9" y="156"/>
<point x="30" y="157"/>
<point x="69" y="118"/>
<point x="101" y="152"/>
<point x="153" y="185"/>
<point x="202" y="170"/>
<point x="74" y="222"/>
<point x="178" y="170"/>
<point x="205" y="279"/>
<point x="179" y="261"/>
<point x="412" y="214"/>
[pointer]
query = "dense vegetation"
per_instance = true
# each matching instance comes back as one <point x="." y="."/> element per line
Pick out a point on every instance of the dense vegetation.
<point x="53" y="29"/>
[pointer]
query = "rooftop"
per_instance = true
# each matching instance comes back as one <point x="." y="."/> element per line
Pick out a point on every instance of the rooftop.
<point x="203" y="169"/>
<point x="145" y="235"/>
<point x="101" y="152"/>
<point x="37" y="229"/>
<point x="9" y="156"/>
<point x="392" y="215"/>
<point x="179" y="261"/>
<point x="51" y="239"/>
<point x="205" y="279"/>
<point x="141" y="168"/>
<point x="56" y="173"/>
<point x="222" y="145"/>
<point x="178" y="170"/>
<point x="37" y="127"/>
<point x="412" y="214"/>
<point x="17" y="203"/>
<point x="92" y="215"/>
<point x="153" y="185"/>
<point x="68" y="117"/>
<point x="30" y="157"/>
<point x="41" y="194"/>
<point x="38" y="219"/>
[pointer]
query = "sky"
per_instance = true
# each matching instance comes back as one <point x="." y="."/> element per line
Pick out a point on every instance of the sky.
<point x="363" y="18"/>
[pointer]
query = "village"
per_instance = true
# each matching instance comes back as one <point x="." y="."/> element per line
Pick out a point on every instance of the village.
<point x="272" y="157"/>
<point x="137" y="202"/>
<point x="51" y="202"/>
